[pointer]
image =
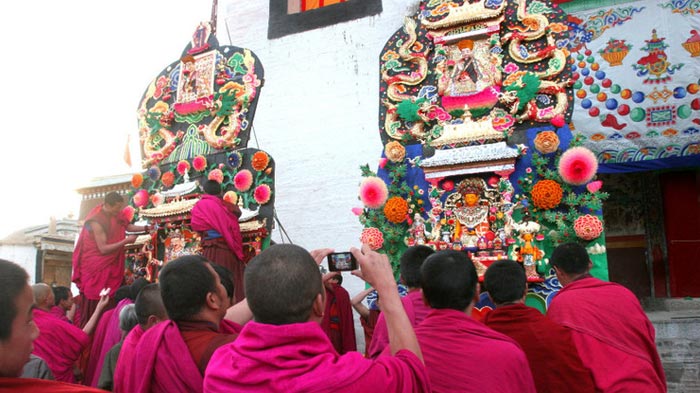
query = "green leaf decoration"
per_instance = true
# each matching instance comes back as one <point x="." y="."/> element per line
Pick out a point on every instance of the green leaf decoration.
<point x="408" y="109"/>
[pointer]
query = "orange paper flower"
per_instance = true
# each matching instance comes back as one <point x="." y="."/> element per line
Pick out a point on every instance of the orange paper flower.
<point x="394" y="151"/>
<point x="260" y="161"/>
<point x="396" y="210"/>
<point x="546" y="194"/>
<point x="136" y="180"/>
<point x="547" y="142"/>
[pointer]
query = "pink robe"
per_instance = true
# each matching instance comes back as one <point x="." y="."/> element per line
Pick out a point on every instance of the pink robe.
<point x="107" y="334"/>
<point x="300" y="358"/>
<point x="210" y="213"/>
<point x="60" y="313"/>
<point x="59" y="344"/>
<point x="163" y="362"/>
<point x="123" y="373"/>
<point x="92" y="270"/>
<point x="416" y="309"/>
<point x="463" y="355"/>
<point x="614" y="337"/>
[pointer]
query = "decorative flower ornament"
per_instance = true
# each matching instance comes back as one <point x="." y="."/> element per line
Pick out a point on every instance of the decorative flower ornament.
<point x="136" y="180"/>
<point x="140" y="198"/>
<point x="231" y="197"/>
<point x="373" y="192"/>
<point x="395" y="151"/>
<point x="357" y="210"/>
<point x="234" y="160"/>
<point x="217" y="175"/>
<point x="260" y="160"/>
<point x="546" y="194"/>
<point x="396" y="210"/>
<point x="588" y="227"/>
<point x="547" y="142"/>
<point x="157" y="199"/>
<point x="373" y="237"/>
<point x="199" y="163"/>
<point x="128" y="213"/>
<point x="262" y="194"/>
<point x="182" y="167"/>
<point x="153" y="173"/>
<point x="168" y="179"/>
<point x="578" y="165"/>
<point x="243" y="180"/>
<point x="594" y="186"/>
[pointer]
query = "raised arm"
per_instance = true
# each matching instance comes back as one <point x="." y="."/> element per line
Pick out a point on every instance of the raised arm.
<point x="376" y="269"/>
<point x="356" y="302"/>
<point x="92" y="322"/>
<point x="101" y="240"/>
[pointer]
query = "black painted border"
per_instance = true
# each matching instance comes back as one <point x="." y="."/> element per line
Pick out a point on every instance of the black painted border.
<point x="282" y="24"/>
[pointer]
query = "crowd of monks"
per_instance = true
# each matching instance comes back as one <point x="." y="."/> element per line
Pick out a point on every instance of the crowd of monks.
<point x="185" y="334"/>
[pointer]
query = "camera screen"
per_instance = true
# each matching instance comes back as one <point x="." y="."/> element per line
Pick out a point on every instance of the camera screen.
<point x="341" y="261"/>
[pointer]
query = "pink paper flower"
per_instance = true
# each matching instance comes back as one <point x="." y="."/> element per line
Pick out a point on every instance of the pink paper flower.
<point x="243" y="180"/>
<point x="373" y="192"/>
<point x="448" y="185"/>
<point x="262" y="194"/>
<point x="373" y="237"/>
<point x="182" y="167"/>
<point x="157" y="199"/>
<point x="199" y="163"/>
<point x="128" y="213"/>
<point x="357" y="210"/>
<point x="578" y="165"/>
<point x="140" y="198"/>
<point x="382" y="162"/>
<point x="588" y="227"/>
<point x="217" y="175"/>
<point x="594" y="186"/>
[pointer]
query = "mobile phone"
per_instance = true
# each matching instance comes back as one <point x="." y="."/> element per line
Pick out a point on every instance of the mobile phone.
<point x="341" y="262"/>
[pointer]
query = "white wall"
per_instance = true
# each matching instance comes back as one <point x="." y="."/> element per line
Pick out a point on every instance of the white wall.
<point x="317" y="116"/>
<point x="23" y="255"/>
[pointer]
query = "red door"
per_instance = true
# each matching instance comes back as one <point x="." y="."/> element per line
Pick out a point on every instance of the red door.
<point x="681" y="192"/>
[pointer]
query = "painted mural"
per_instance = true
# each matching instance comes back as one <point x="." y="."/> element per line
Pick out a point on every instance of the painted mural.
<point x="636" y="80"/>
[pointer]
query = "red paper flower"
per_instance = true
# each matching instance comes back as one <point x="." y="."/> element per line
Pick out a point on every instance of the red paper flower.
<point x="128" y="213"/>
<point x="373" y="237"/>
<point x="136" y="180"/>
<point x="578" y="165"/>
<point x="182" y="167"/>
<point x="588" y="227"/>
<point x="373" y="192"/>
<point x="140" y="198"/>
<point x="243" y="180"/>
<point x="217" y="175"/>
<point x="262" y="194"/>
<point x="199" y="163"/>
<point x="168" y="179"/>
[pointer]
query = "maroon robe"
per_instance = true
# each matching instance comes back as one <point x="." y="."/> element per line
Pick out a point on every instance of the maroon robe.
<point x="614" y="337"/>
<point x="337" y="320"/>
<point x="24" y="385"/>
<point x="92" y="270"/>
<point x="463" y="355"/>
<point x="553" y="358"/>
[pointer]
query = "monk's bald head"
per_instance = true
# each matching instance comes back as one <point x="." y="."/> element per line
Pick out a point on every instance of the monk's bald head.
<point x="449" y="279"/>
<point x="43" y="295"/>
<point x="149" y="306"/>
<point x="281" y="285"/>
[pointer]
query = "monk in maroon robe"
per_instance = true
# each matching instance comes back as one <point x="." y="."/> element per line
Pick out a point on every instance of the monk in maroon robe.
<point x="553" y="358"/>
<point x="172" y="355"/>
<point x="217" y="223"/>
<point x="614" y="337"/>
<point x="416" y="309"/>
<point x="98" y="258"/>
<point x="337" y="319"/>
<point x="461" y="354"/>
<point x="285" y="349"/>
<point x="149" y="312"/>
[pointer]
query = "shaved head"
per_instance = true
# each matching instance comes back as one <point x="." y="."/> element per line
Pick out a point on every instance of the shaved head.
<point x="149" y="302"/>
<point x="42" y="295"/>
